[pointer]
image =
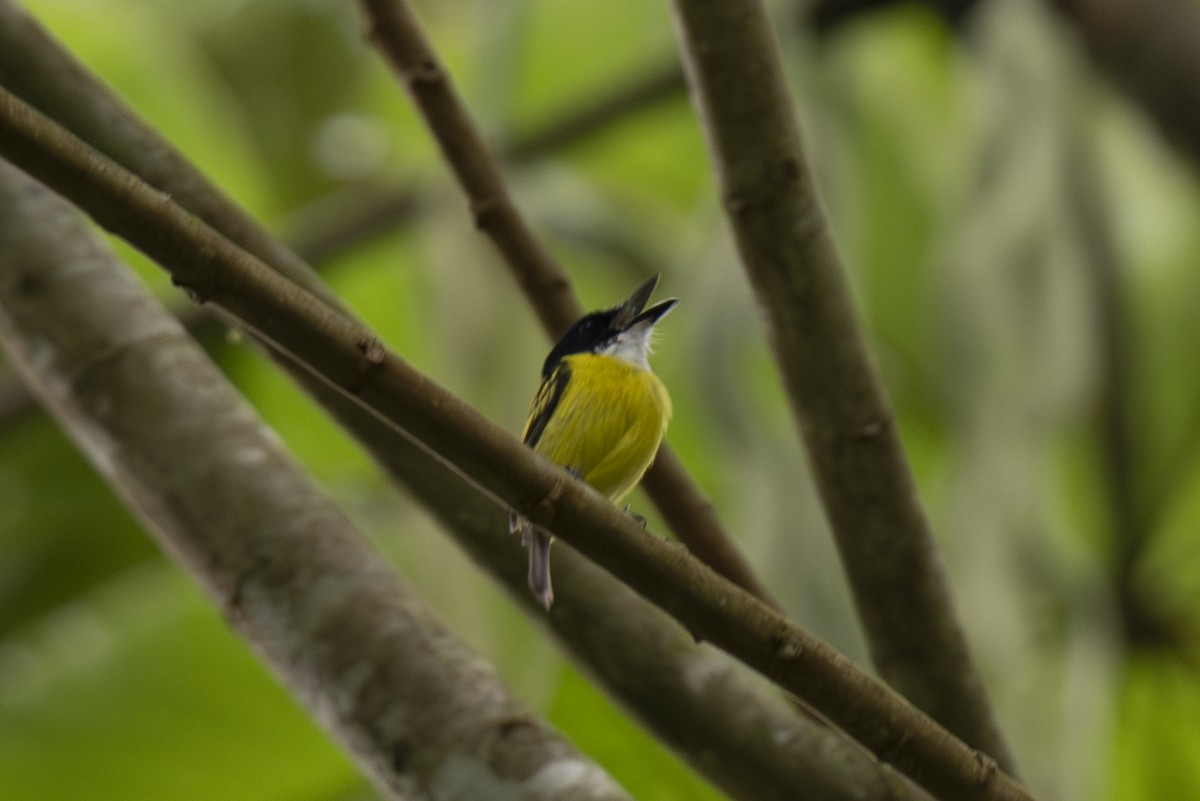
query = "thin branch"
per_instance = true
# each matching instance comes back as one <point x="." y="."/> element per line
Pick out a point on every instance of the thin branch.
<point x="1146" y="47"/>
<point x="825" y="16"/>
<point x="840" y="405"/>
<point x="350" y="358"/>
<point x="1145" y="623"/>
<point x="399" y="36"/>
<point x="541" y="277"/>
<point x="335" y="223"/>
<point x="1114" y="414"/>
<point x="652" y="86"/>
<point x="352" y="640"/>
<point x="768" y="750"/>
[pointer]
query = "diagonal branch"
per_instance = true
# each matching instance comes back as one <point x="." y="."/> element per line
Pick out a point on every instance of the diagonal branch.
<point x="353" y="641"/>
<point x="641" y="657"/>
<point x="841" y="408"/>
<point x="399" y="36"/>
<point x="653" y="85"/>
<point x="348" y="357"/>
<point x="32" y="66"/>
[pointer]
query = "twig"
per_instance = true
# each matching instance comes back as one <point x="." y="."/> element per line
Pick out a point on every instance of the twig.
<point x="827" y="15"/>
<point x="350" y="358"/>
<point x="354" y="642"/>
<point x="333" y="224"/>
<point x="398" y="34"/>
<point x="652" y="86"/>
<point x="848" y="427"/>
<point x="637" y="654"/>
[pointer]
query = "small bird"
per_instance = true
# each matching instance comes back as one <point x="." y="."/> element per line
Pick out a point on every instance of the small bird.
<point x="599" y="412"/>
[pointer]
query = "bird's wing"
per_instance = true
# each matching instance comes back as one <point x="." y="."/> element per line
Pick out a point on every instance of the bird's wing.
<point x="545" y="402"/>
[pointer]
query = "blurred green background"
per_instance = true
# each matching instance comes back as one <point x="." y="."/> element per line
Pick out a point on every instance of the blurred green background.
<point x="999" y="208"/>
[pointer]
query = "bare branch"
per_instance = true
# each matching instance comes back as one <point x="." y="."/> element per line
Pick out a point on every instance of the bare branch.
<point x="838" y="400"/>
<point x="652" y="86"/>
<point x="647" y="662"/>
<point x="413" y="705"/>
<point x="349" y="357"/>
<point x="399" y="36"/>
<point x="395" y="31"/>
<point x="33" y="67"/>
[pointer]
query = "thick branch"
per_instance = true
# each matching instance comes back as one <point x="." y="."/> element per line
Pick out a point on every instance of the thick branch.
<point x="730" y="725"/>
<point x="863" y="476"/>
<point x="414" y="706"/>
<point x="349" y="357"/>
<point x="398" y="34"/>
<point x="33" y="67"/>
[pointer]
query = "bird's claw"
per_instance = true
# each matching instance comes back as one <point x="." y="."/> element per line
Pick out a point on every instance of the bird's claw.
<point x="641" y="520"/>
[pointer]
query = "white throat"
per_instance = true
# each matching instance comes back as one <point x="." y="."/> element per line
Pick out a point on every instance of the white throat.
<point x="632" y="346"/>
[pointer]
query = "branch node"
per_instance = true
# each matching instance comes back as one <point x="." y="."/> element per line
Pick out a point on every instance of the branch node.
<point x="372" y="354"/>
<point x="786" y="650"/>
<point x="193" y="293"/>
<point x="425" y="71"/>
<point x="484" y="211"/>
<point x="872" y="429"/>
<point x="988" y="768"/>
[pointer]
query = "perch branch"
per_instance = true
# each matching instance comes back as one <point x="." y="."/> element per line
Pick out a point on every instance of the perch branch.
<point x="350" y="358"/>
<point x="352" y="640"/>
<point x="639" y="655"/>
<point x="398" y="34"/>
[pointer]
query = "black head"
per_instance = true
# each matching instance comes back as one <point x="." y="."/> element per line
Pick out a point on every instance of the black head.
<point x="592" y="332"/>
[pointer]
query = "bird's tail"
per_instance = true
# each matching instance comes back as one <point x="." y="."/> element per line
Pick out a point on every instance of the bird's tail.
<point x="539" y="567"/>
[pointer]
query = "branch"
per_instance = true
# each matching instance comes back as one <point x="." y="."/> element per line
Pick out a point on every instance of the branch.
<point x="1146" y="47"/>
<point x="347" y="356"/>
<point x="825" y="16"/>
<point x="840" y="405"/>
<point x="1114" y="413"/>
<point x="730" y="726"/>
<point x="541" y="277"/>
<point x="399" y="36"/>
<point x="646" y="661"/>
<point x="652" y="86"/>
<point x="33" y="67"/>
<point x="353" y="641"/>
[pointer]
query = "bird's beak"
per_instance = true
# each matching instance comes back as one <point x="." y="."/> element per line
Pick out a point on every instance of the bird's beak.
<point x="631" y="313"/>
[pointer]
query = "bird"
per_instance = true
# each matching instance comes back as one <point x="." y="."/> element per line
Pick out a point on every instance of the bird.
<point x="599" y="412"/>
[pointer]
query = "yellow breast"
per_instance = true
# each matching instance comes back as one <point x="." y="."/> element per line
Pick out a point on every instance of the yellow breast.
<point x="608" y="423"/>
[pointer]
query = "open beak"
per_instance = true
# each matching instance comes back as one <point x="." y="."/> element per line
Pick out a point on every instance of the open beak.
<point x="631" y="311"/>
